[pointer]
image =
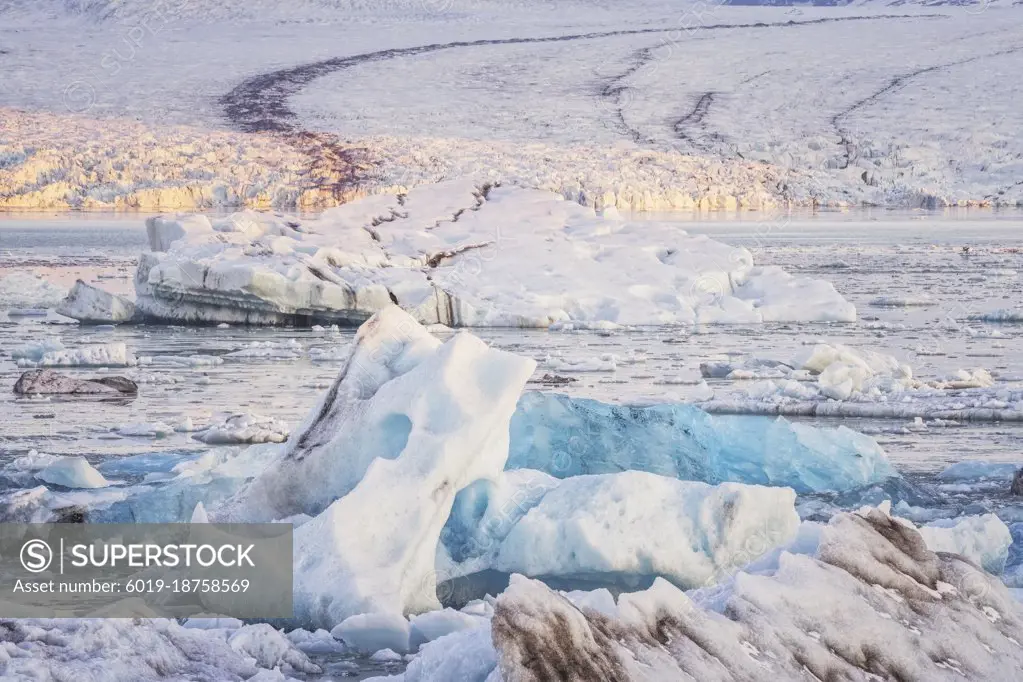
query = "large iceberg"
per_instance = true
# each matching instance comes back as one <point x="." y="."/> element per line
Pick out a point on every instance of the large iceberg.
<point x="92" y="305"/>
<point x="462" y="253"/>
<point x="567" y="436"/>
<point x="407" y="424"/>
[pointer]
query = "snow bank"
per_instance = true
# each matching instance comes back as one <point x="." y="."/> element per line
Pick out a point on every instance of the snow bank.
<point x="640" y="524"/>
<point x="72" y="472"/>
<point x="245" y="428"/>
<point x="567" y="436"/>
<point x="983" y="539"/>
<point x="460" y="253"/>
<point x="407" y="424"/>
<point x="91" y="305"/>
<point x="106" y="355"/>
<point x="25" y="290"/>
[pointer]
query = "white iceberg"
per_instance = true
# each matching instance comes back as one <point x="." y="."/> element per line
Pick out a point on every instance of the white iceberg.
<point x="72" y="472"/>
<point x="982" y="539"/>
<point x="407" y="424"/>
<point x="20" y="289"/>
<point x="369" y="632"/>
<point x="246" y="427"/>
<point x="640" y="524"/>
<point x="99" y="355"/>
<point x="92" y="305"/>
<point x="461" y="253"/>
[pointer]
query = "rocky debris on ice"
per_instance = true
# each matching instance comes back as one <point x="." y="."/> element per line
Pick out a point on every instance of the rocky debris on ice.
<point x="870" y="601"/>
<point x="407" y="424"/>
<point x="51" y="382"/>
<point x="98" y="355"/>
<point x="92" y="305"/>
<point x="642" y="525"/>
<point x="20" y="289"/>
<point x="982" y="539"/>
<point x="246" y="427"/>
<point x="460" y="253"/>
<point x="144" y="650"/>
<point x="1017" y="483"/>
<point x="72" y="472"/>
<point x="566" y="436"/>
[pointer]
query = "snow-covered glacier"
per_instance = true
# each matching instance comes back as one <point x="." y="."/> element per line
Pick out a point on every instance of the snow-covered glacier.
<point x="463" y="253"/>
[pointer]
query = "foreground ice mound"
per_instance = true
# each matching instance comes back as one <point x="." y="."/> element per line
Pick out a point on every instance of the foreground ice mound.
<point x="567" y="436"/>
<point x="144" y="650"/>
<point x="639" y="524"/>
<point x="462" y="254"/>
<point x="407" y="424"/>
<point x="91" y="305"/>
<point x="871" y="603"/>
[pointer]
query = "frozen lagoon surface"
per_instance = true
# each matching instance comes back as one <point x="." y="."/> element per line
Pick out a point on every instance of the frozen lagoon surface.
<point x="908" y="257"/>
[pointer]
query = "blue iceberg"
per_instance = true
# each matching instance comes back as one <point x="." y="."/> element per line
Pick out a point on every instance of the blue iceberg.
<point x="567" y="436"/>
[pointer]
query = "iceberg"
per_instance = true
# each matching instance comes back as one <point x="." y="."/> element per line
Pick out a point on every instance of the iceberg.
<point x="982" y="539"/>
<point x="638" y="524"/>
<point x="462" y="253"/>
<point x="243" y="428"/>
<point x="407" y="424"/>
<point x="98" y="355"/>
<point x="566" y="436"/>
<point x="92" y="305"/>
<point x="72" y="472"/>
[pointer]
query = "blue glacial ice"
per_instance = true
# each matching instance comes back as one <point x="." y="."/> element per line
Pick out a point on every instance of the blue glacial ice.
<point x="567" y="436"/>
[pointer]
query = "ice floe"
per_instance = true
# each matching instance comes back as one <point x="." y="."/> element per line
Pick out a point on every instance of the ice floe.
<point x="244" y="428"/>
<point x="461" y="253"/>
<point x="25" y="290"/>
<point x="72" y="472"/>
<point x="91" y="305"/>
<point x="99" y="355"/>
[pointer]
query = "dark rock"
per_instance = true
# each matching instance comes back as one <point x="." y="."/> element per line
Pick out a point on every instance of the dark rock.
<point x="1017" y="483"/>
<point x="553" y="380"/>
<point x="50" y="382"/>
<point x="72" y="514"/>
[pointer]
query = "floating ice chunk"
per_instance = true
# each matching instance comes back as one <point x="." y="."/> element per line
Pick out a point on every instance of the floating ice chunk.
<point x="982" y="539"/>
<point x="1000" y="315"/>
<point x="91" y="305"/>
<point x="268" y="350"/>
<point x="105" y="355"/>
<point x="199" y="514"/>
<point x="72" y="472"/>
<point x="385" y="656"/>
<point x="185" y="426"/>
<point x="408" y="423"/>
<point x="432" y="625"/>
<point x="778" y="296"/>
<point x="567" y="436"/>
<point x="901" y="301"/>
<point x="336" y="353"/>
<point x="370" y="632"/>
<point x="25" y="290"/>
<point x="640" y="524"/>
<point x="245" y="428"/>
<point x="605" y="363"/>
<point x="318" y="642"/>
<point x="181" y="360"/>
<point x="465" y="656"/>
<point x="976" y="470"/>
<point x="201" y="622"/>
<point x="270" y="648"/>
<point x="34" y="352"/>
<point x="145" y="430"/>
